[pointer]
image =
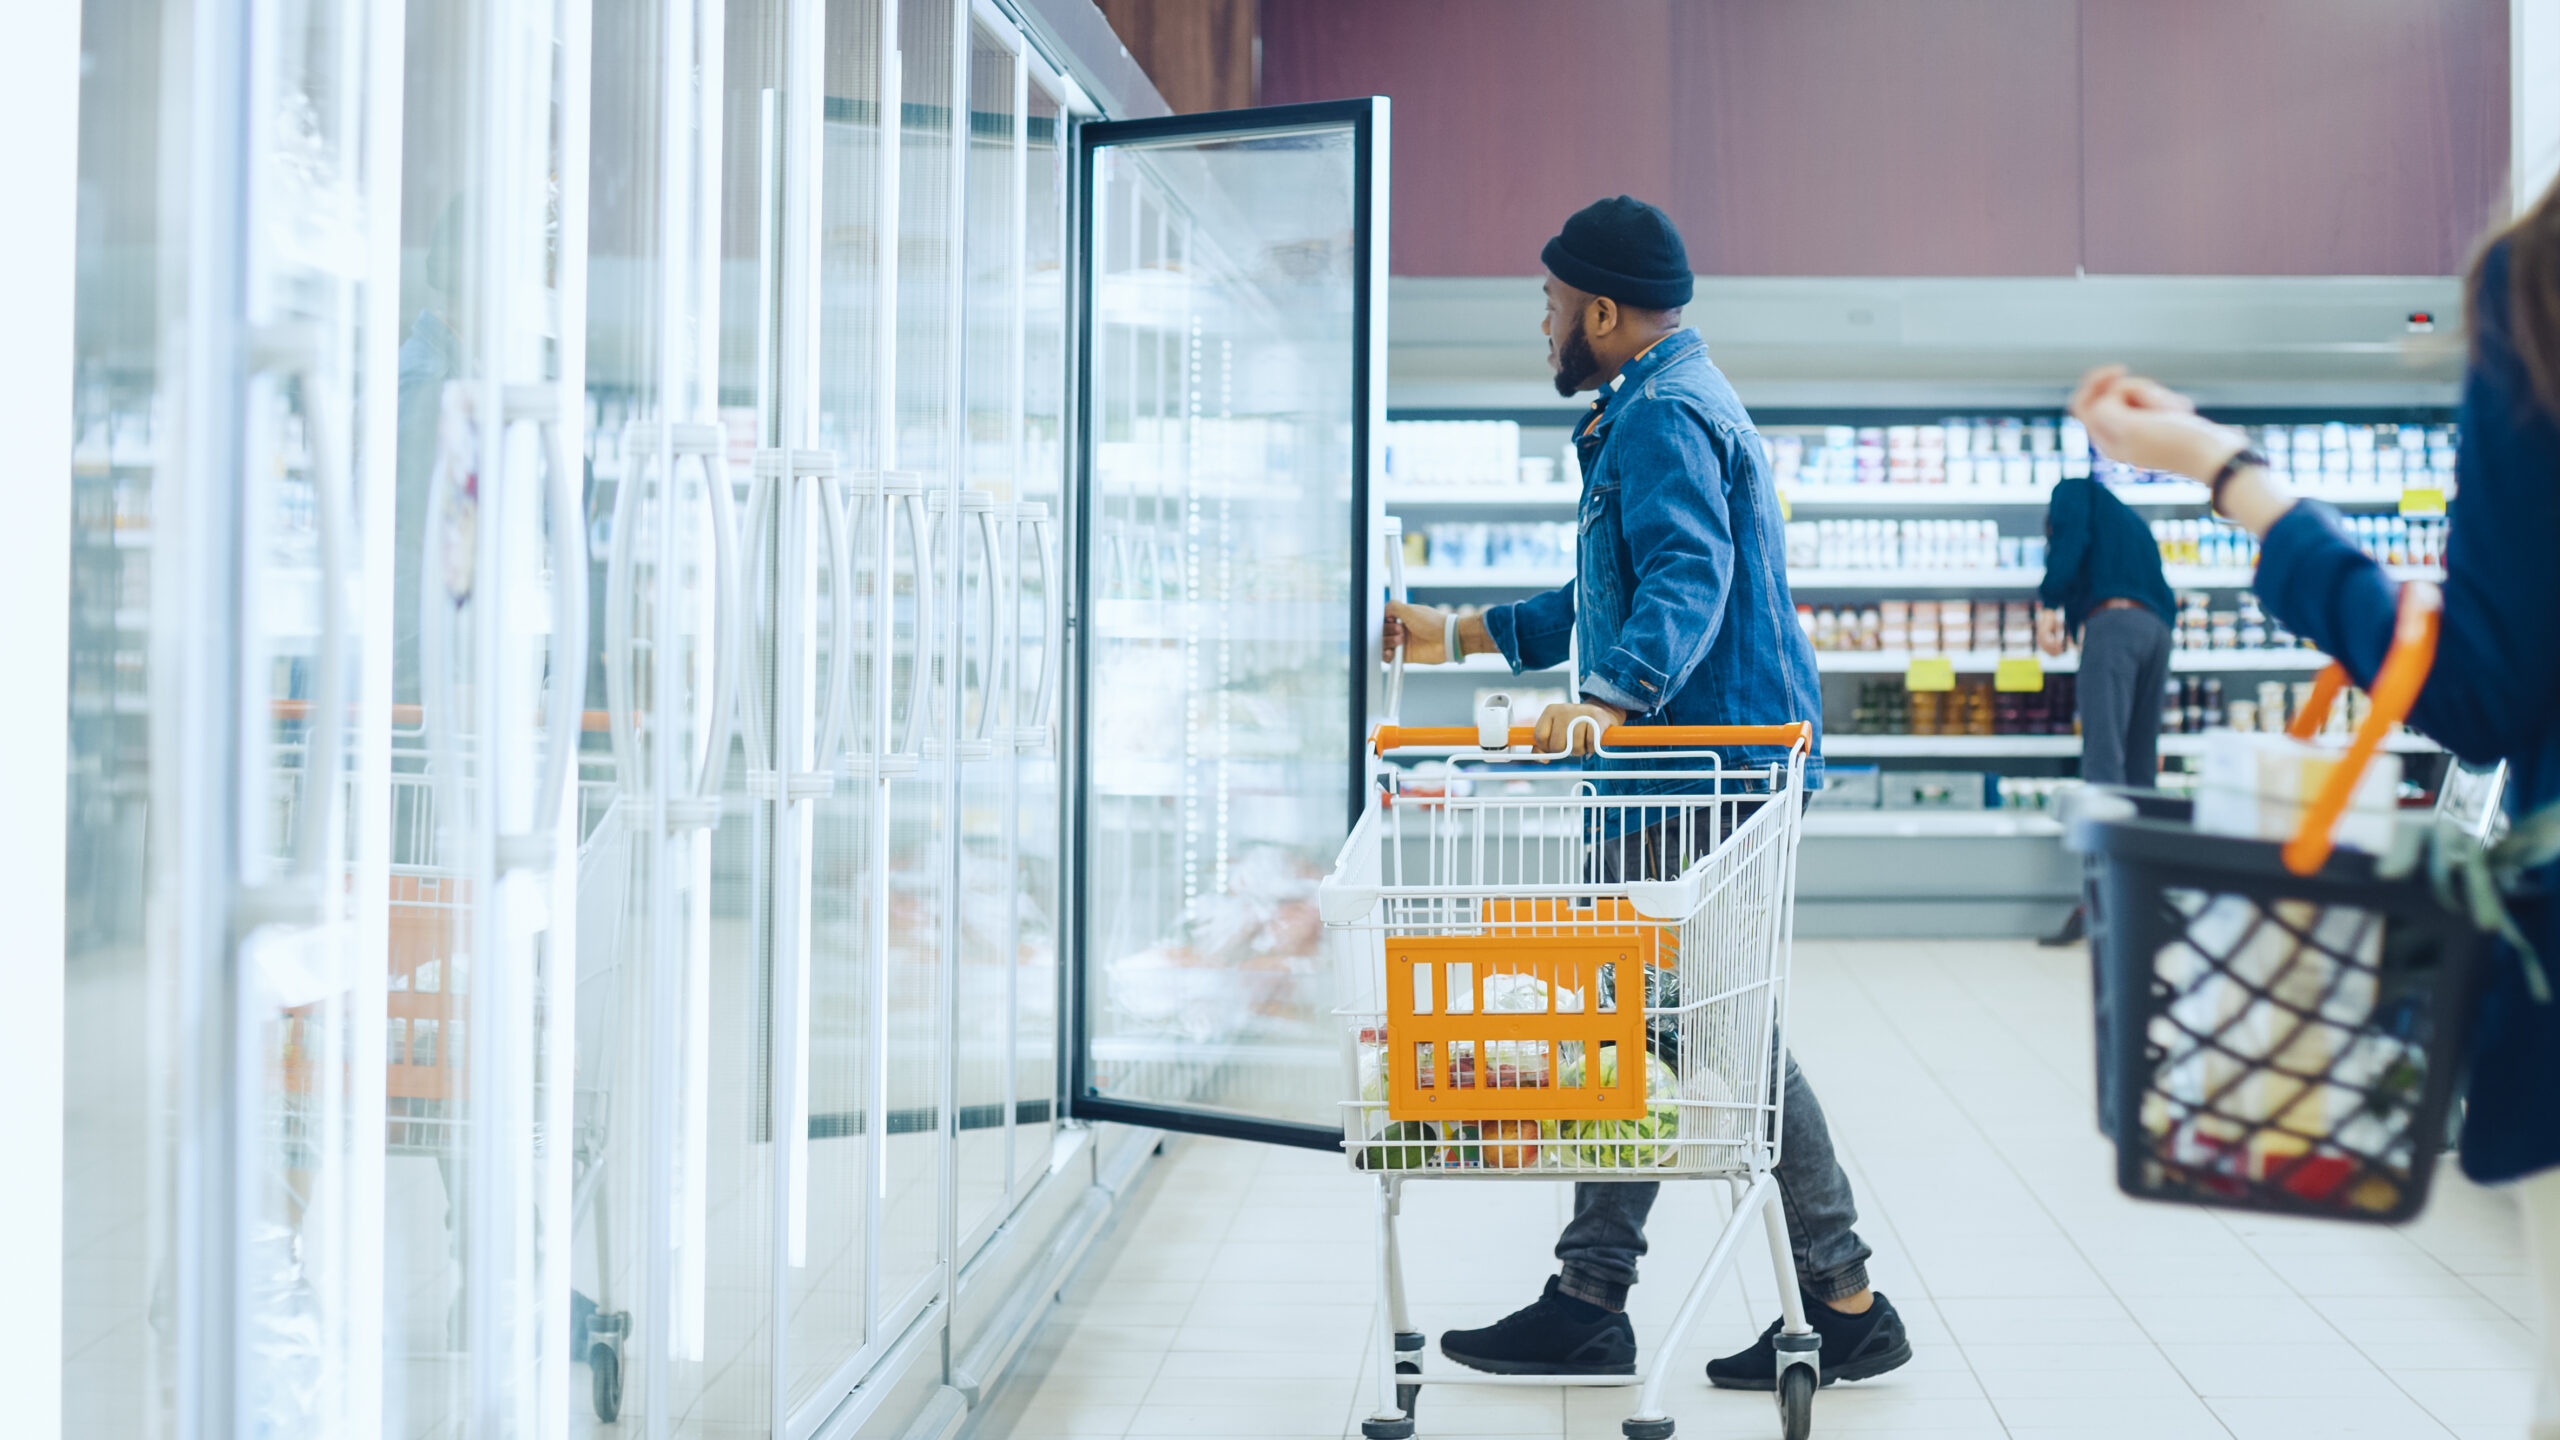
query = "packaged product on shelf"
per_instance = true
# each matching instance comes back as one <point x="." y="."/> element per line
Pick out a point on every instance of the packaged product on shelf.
<point x="1848" y="787"/>
<point x="2257" y="786"/>
<point x="2271" y="706"/>
<point x="1453" y="452"/>
<point x="1804" y="544"/>
<point x="2028" y="792"/>
<point x="1935" y="790"/>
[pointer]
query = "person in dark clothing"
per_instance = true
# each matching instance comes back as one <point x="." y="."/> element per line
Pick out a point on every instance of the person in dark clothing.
<point x="2103" y="584"/>
<point x="1678" y="614"/>
<point x="2494" y="691"/>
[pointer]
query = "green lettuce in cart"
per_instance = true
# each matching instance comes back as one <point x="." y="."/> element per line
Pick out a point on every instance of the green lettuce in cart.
<point x="1617" y="1144"/>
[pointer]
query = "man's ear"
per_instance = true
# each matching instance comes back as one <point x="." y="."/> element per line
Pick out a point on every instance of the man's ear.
<point x="1601" y="318"/>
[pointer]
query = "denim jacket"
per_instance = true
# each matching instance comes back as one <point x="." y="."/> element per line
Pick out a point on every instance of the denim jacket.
<point x="1680" y="613"/>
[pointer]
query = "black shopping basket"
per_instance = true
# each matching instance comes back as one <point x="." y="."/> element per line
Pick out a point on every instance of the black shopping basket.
<point x="2280" y="1026"/>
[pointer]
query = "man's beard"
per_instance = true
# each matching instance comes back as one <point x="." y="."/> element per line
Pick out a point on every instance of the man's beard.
<point x="1575" y="364"/>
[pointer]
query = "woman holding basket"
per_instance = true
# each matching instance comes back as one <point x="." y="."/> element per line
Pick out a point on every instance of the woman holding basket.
<point x="2494" y="691"/>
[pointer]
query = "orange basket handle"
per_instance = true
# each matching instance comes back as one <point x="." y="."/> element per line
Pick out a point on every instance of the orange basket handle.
<point x="1685" y="737"/>
<point x="2395" y="689"/>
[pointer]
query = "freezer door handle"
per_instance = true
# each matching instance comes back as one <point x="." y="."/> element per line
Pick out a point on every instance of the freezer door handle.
<point x="538" y="847"/>
<point x="293" y="352"/>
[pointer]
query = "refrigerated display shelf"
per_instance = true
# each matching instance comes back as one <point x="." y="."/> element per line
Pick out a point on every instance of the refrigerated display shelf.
<point x="2181" y="577"/>
<point x="2019" y="747"/>
<point x="2170" y="495"/>
<point x="1929" y="824"/>
<point x="2167" y="494"/>
<point x="1490" y="577"/>
<point x="1483" y="497"/>
<point x="1895" y="662"/>
<point x="2240" y="577"/>
<point x="1873" y="747"/>
<point x="1907" y="578"/>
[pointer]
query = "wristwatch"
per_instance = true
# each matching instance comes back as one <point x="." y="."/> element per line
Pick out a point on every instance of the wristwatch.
<point x="1449" y="641"/>
<point x="2248" y="455"/>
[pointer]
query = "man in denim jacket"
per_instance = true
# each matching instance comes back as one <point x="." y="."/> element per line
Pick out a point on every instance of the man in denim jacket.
<point x="1679" y="615"/>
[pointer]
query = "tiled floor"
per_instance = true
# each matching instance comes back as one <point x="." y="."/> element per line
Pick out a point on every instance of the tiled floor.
<point x="1235" y="1299"/>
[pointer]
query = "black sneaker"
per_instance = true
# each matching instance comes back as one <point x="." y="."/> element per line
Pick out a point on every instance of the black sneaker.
<point x="2075" y="928"/>
<point x="1558" y="1335"/>
<point x="1854" y="1347"/>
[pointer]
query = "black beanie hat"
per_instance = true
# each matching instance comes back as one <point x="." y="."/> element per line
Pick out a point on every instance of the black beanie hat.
<point x="1626" y="250"/>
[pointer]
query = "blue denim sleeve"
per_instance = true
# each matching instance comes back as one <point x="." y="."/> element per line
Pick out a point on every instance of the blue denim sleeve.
<point x="1536" y="633"/>
<point x="1679" y="533"/>
<point x="2495" y="683"/>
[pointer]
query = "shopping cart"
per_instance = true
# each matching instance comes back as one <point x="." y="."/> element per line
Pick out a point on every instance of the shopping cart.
<point x="2280" y="1025"/>
<point x="1549" y="974"/>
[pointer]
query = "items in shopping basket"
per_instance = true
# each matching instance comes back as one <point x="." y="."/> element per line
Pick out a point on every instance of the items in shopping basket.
<point x="2258" y="786"/>
<point x="2279" y="1025"/>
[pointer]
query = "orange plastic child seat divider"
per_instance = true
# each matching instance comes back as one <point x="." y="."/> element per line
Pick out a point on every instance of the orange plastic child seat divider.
<point x="1442" y="1037"/>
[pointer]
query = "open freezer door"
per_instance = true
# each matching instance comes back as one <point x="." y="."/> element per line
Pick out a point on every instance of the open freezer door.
<point x="1231" y="386"/>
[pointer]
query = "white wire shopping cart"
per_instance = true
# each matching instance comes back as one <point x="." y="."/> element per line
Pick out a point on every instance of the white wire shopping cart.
<point x="1572" y="970"/>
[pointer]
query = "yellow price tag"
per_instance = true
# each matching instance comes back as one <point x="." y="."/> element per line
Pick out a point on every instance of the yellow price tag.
<point x="1785" y="510"/>
<point x="1930" y="672"/>
<point x="2018" y="673"/>
<point x="2422" y="500"/>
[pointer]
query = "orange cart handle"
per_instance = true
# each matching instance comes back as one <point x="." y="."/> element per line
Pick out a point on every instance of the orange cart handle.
<point x="2395" y="689"/>
<point x="1685" y="737"/>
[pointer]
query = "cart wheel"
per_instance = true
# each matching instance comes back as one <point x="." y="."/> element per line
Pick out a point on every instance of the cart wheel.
<point x="1387" y="1429"/>
<point x="1405" y="1394"/>
<point x="1650" y="1429"/>
<point x="1795" y="1402"/>
<point x="604" y="1363"/>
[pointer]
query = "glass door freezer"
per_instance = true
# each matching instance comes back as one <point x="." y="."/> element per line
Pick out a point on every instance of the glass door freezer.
<point x="1232" y="398"/>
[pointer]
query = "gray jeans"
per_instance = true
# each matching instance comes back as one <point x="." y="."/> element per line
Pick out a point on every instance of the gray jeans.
<point x="1605" y="1238"/>
<point x="2124" y="668"/>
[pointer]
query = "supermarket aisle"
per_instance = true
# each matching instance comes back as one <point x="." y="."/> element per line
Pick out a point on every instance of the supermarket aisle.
<point x="1234" y="1299"/>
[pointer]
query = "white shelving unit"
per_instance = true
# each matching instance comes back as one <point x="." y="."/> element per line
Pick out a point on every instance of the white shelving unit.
<point x="1966" y="662"/>
<point x="2170" y="494"/>
<point x="1983" y="662"/>
<point x="2012" y="581"/>
<point x="1949" y="747"/>
<point x="1430" y="500"/>
<point x="2026" y="747"/>
<point x="1820" y="823"/>
<point x="1488" y="577"/>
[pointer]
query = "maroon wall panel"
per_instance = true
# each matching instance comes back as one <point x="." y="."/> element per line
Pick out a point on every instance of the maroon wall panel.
<point x="1877" y="137"/>
<point x="2291" y="137"/>
<point x="1509" y="114"/>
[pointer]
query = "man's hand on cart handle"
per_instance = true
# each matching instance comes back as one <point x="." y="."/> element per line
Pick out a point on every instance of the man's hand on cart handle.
<point x="1556" y="727"/>
<point x="1423" y="630"/>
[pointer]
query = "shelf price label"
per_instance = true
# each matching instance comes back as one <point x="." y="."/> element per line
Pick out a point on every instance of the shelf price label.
<point x="2422" y="500"/>
<point x="1930" y="672"/>
<point x="2018" y="674"/>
